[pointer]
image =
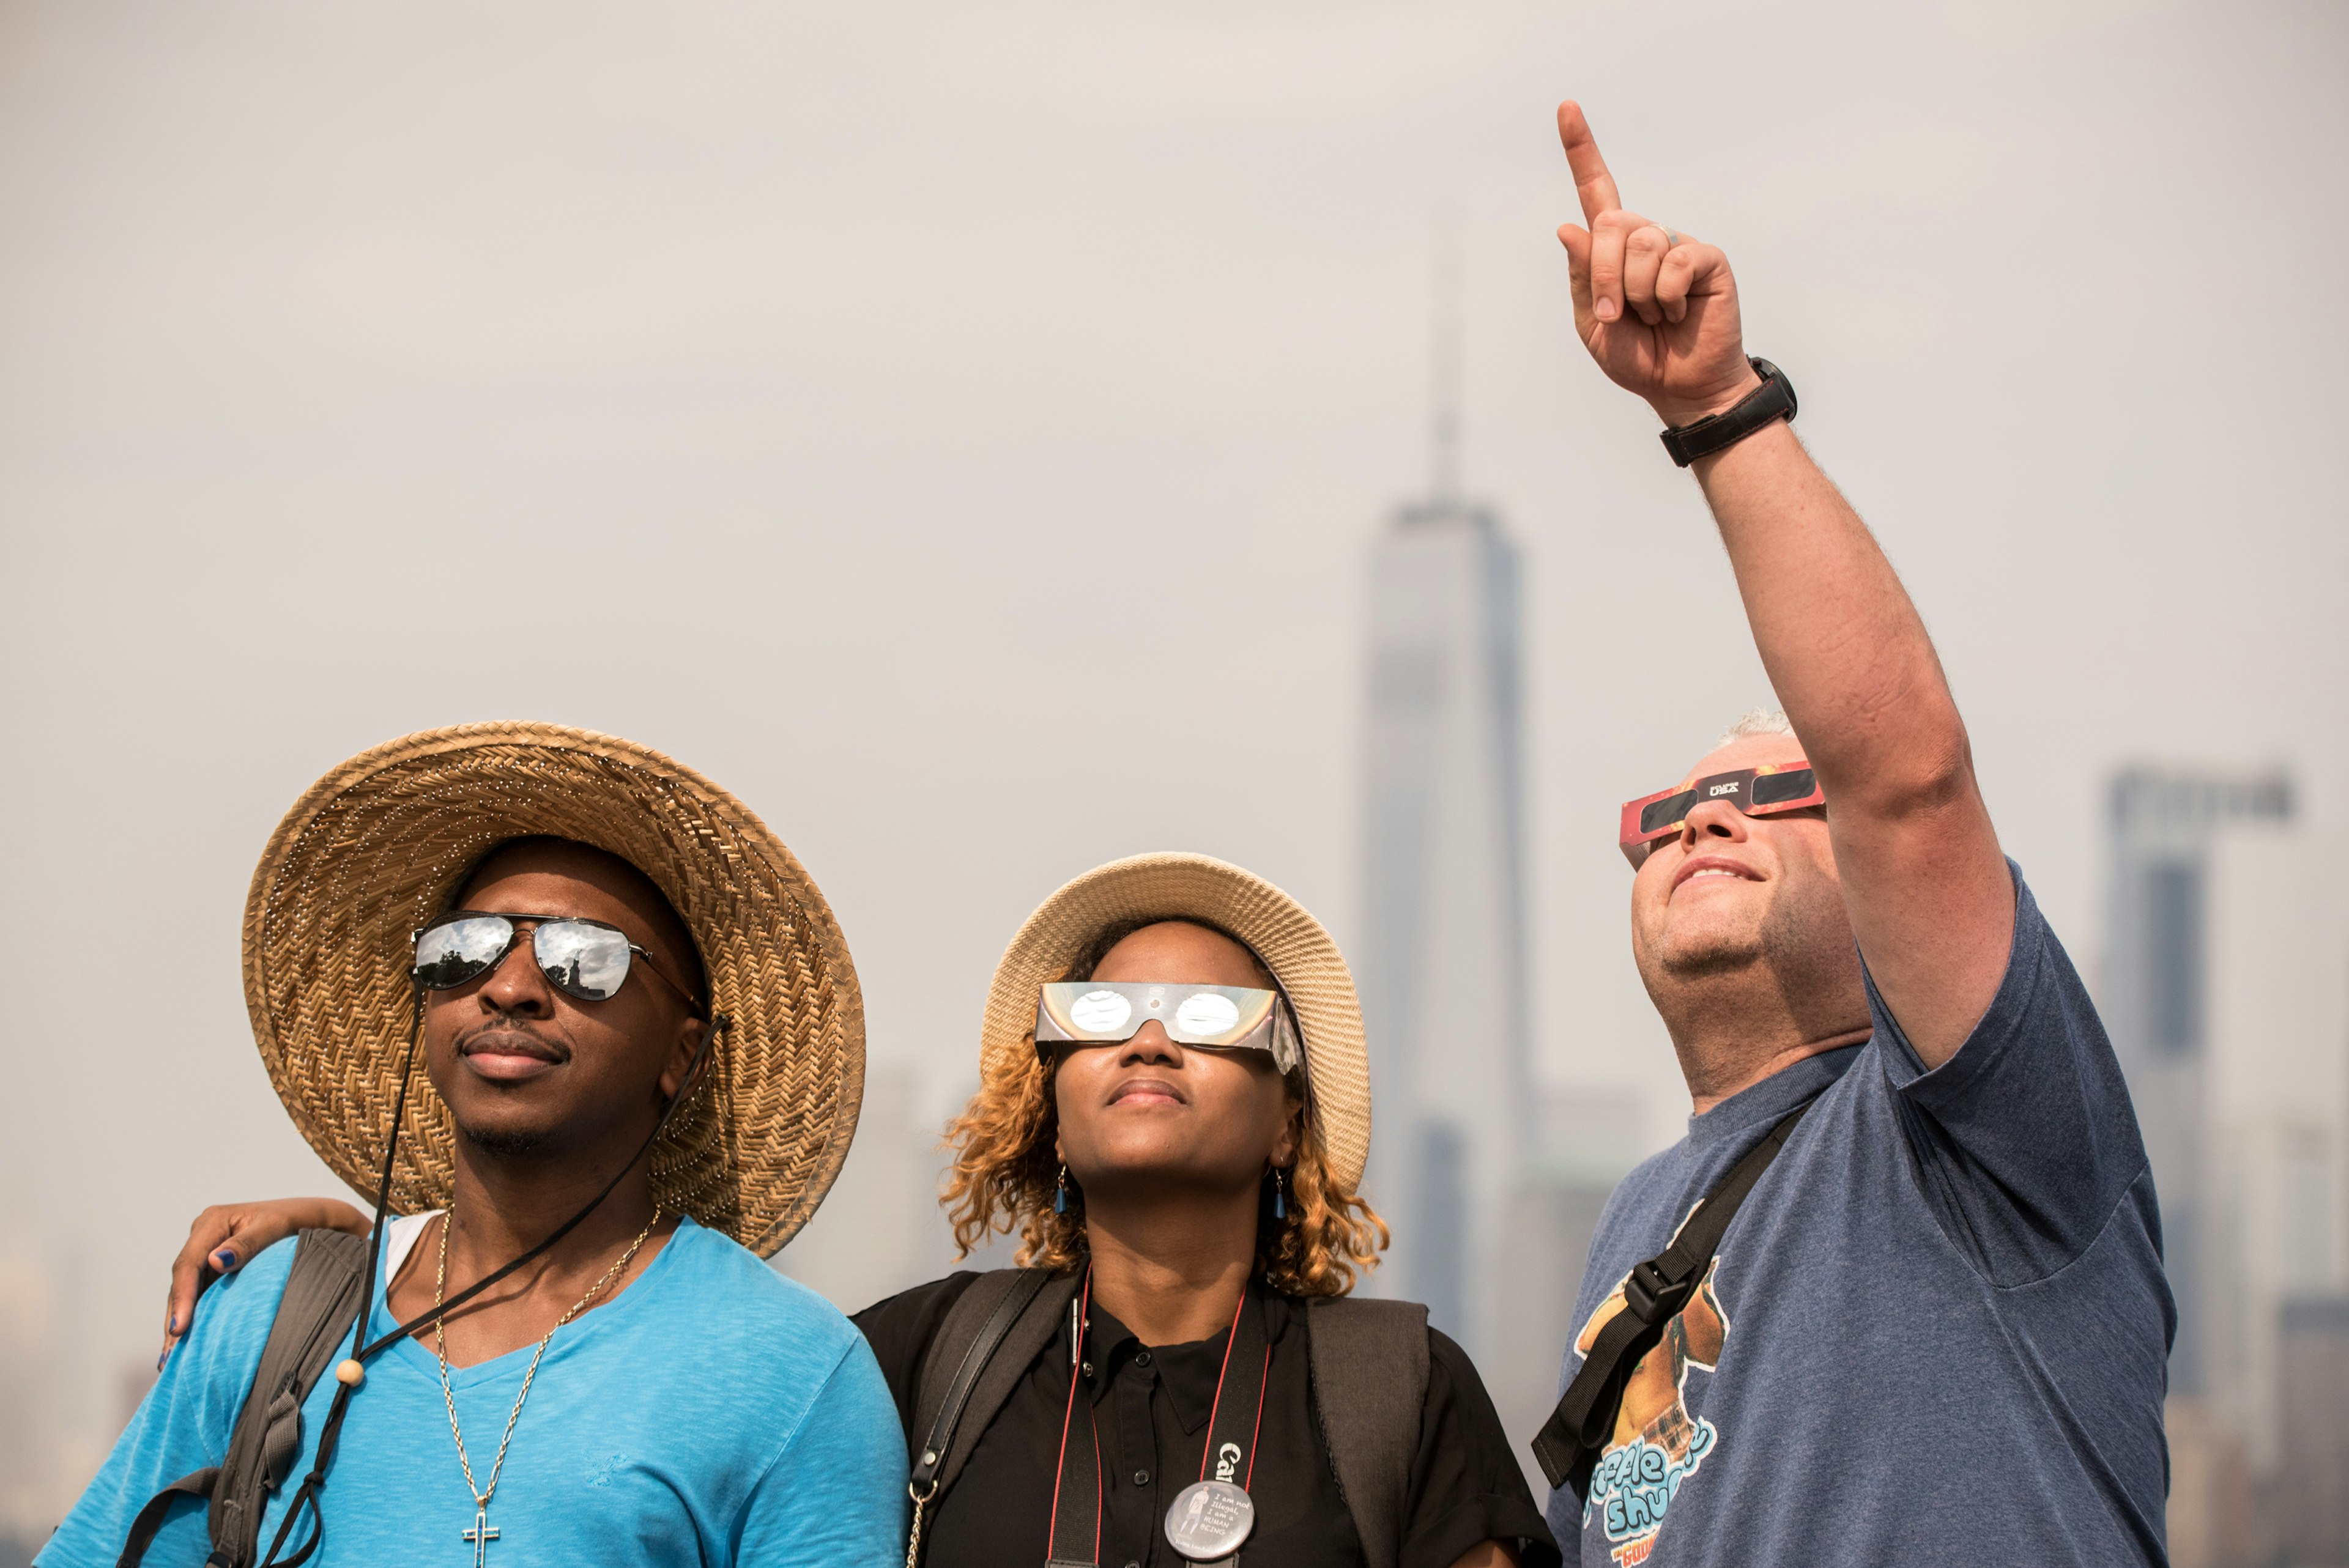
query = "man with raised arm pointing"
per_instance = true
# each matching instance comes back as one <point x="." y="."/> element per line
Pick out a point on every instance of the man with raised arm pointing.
<point x="1898" y="1296"/>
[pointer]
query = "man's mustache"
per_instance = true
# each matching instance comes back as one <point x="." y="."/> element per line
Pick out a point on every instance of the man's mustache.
<point x="508" y="1034"/>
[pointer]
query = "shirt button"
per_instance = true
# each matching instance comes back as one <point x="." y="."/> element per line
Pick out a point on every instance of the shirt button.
<point x="1143" y="1359"/>
<point x="1141" y="1477"/>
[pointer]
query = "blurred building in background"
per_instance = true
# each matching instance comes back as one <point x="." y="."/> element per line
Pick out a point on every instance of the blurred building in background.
<point x="30" y="1424"/>
<point x="2226" y="988"/>
<point x="61" y="1403"/>
<point x="1441" y="964"/>
<point x="1492" y="1180"/>
<point x="2312" y="1482"/>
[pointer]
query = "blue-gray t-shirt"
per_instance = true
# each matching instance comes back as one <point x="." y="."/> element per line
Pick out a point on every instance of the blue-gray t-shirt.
<point x="713" y="1412"/>
<point x="1936" y="1333"/>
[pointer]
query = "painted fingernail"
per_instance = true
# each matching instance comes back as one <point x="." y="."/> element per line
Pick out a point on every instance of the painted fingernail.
<point x="223" y="1259"/>
<point x="171" y="1324"/>
<point x="158" y="1358"/>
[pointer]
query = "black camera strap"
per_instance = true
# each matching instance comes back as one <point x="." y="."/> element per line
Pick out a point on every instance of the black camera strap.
<point x="1570" y="1442"/>
<point x="1075" y="1541"/>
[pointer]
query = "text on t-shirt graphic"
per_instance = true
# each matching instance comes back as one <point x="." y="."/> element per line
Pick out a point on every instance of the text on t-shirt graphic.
<point x="1655" y="1444"/>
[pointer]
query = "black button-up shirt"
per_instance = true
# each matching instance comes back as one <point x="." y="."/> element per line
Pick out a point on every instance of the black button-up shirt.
<point x="1151" y="1407"/>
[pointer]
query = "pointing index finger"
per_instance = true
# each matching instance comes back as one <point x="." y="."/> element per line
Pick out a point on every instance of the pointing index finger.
<point x="1591" y="180"/>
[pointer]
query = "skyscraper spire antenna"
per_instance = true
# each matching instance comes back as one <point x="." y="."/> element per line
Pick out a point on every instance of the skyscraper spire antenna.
<point x="1443" y="976"/>
<point x="1443" y="367"/>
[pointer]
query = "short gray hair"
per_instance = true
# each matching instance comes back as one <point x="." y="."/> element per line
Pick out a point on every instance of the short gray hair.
<point x="1756" y="721"/>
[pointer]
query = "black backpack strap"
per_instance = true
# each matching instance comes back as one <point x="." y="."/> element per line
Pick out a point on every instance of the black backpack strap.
<point x="1369" y="1361"/>
<point x="313" y="1315"/>
<point x="984" y="1346"/>
<point x="158" y="1507"/>
<point x="1570" y="1442"/>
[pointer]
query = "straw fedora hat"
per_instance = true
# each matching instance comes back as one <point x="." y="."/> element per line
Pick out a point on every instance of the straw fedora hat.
<point x="1304" y="961"/>
<point x="383" y="842"/>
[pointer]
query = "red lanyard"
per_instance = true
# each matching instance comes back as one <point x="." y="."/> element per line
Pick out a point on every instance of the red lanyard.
<point x="1232" y="1434"/>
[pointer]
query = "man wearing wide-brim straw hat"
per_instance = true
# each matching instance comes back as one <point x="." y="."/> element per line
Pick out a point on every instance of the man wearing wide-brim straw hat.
<point x="548" y="996"/>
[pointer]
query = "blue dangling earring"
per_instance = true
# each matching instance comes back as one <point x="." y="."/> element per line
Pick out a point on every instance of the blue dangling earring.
<point x="1280" y="1193"/>
<point x="1061" y="1192"/>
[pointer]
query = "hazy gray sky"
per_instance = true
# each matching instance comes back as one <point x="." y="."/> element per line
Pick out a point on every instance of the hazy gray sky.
<point x="891" y="410"/>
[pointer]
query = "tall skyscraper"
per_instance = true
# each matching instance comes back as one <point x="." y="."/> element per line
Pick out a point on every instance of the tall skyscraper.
<point x="1493" y="1179"/>
<point x="1443" y="968"/>
<point x="2227" y="992"/>
<point x="2157" y="985"/>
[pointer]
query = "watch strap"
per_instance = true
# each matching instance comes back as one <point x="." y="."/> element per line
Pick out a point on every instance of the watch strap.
<point x="1771" y="401"/>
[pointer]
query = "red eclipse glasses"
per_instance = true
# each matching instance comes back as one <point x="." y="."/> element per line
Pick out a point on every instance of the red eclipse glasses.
<point x="1757" y="791"/>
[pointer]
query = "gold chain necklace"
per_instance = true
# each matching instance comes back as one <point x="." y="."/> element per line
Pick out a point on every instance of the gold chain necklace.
<point x="480" y="1536"/>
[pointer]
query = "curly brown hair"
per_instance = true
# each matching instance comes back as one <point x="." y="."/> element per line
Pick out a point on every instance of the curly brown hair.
<point x="1004" y="1174"/>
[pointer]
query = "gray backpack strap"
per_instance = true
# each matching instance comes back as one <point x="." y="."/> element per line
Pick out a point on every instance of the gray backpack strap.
<point x="984" y="1346"/>
<point x="1369" y="1387"/>
<point x="314" y="1315"/>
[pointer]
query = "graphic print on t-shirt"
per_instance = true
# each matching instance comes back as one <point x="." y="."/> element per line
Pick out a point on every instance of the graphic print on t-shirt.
<point x="1655" y="1444"/>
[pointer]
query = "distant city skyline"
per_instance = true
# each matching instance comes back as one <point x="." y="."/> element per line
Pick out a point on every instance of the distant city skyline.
<point x="886" y="411"/>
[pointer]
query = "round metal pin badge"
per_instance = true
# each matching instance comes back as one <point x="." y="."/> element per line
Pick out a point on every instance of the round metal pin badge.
<point x="1209" y="1519"/>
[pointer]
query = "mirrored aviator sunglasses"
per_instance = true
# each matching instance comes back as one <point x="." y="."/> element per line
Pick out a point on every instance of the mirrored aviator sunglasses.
<point x="582" y="958"/>
<point x="1221" y="1018"/>
<point x="1754" y="791"/>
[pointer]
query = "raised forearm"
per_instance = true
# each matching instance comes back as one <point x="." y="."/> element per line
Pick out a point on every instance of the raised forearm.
<point x="1844" y="649"/>
<point x="1923" y="878"/>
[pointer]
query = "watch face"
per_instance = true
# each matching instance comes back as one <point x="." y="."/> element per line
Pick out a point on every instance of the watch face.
<point x="1209" y="1519"/>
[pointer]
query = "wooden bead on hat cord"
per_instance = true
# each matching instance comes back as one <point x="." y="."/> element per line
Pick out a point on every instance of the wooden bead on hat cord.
<point x="375" y="847"/>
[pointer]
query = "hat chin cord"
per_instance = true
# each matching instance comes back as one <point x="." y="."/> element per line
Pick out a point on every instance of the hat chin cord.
<point x="330" y="1431"/>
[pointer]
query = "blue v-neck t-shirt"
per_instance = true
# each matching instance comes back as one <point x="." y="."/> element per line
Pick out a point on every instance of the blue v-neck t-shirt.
<point x="714" y="1412"/>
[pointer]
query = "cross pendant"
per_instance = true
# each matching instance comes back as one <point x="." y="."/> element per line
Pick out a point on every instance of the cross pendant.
<point x="480" y="1535"/>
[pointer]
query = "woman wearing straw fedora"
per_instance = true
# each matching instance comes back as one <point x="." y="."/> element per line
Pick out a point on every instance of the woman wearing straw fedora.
<point x="641" y="1046"/>
<point x="1173" y="1114"/>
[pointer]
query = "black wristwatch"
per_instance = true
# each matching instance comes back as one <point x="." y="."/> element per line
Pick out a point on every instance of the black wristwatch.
<point x="1774" y="399"/>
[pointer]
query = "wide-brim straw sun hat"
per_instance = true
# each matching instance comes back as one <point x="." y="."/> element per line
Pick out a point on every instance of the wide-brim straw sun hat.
<point x="382" y="844"/>
<point x="1143" y="889"/>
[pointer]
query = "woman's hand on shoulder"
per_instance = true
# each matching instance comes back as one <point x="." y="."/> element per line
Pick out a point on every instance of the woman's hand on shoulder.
<point x="227" y="1236"/>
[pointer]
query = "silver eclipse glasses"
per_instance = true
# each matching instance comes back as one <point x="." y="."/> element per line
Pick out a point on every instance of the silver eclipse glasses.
<point x="1223" y="1018"/>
